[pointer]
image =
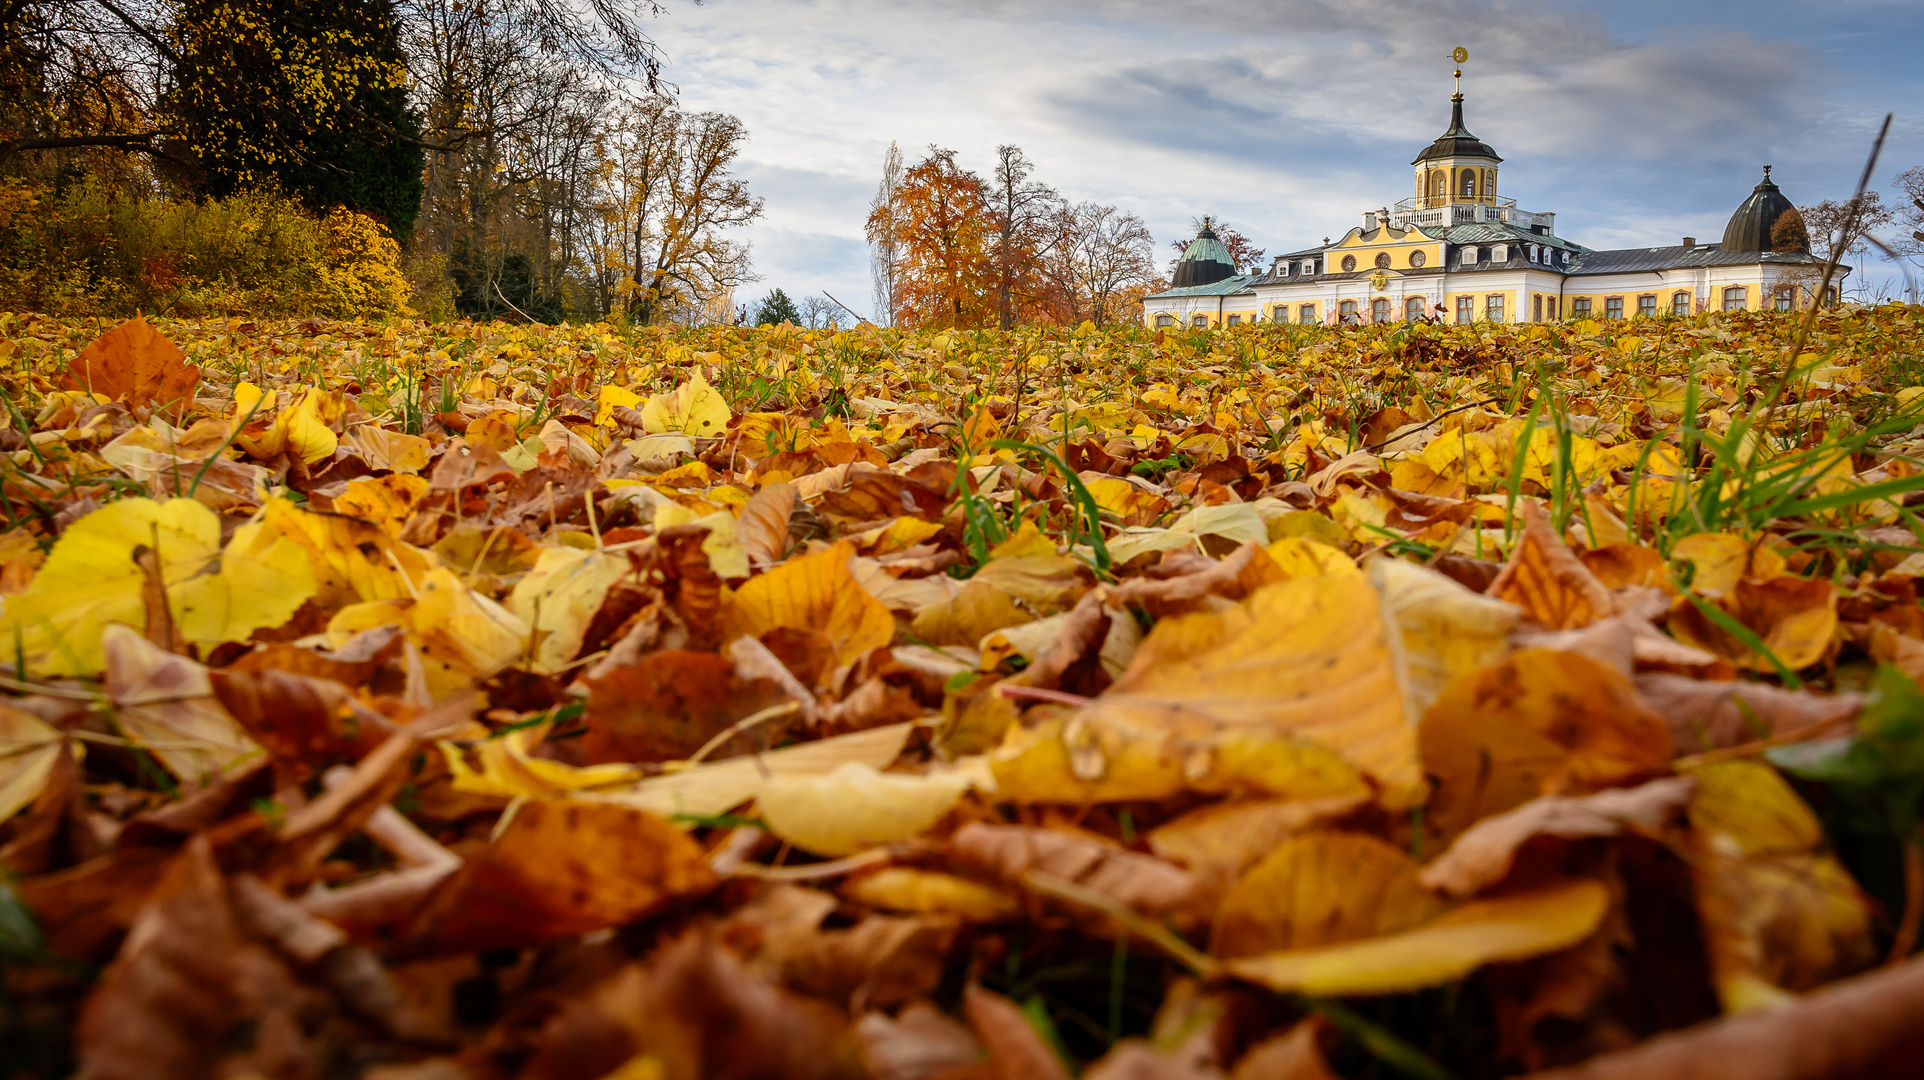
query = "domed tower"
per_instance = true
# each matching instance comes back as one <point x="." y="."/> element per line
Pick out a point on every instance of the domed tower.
<point x="1750" y="227"/>
<point x="1205" y="262"/>
<point x="1458" y="167"/>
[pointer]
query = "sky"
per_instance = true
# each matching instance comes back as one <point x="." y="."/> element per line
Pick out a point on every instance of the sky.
<point x="1635" y="121"/>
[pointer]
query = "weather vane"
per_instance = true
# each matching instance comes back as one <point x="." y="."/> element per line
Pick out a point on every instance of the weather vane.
<point x="1459" y="54"/>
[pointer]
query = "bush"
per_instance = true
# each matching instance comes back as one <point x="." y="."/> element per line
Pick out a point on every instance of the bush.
<point x="93" y="251"/>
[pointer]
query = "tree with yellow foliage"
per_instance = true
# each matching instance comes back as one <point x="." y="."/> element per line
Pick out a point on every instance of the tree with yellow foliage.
<point x="943" y="234"/>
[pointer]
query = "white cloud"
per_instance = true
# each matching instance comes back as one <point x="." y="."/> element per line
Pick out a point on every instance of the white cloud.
<point x="1287" y="118"/>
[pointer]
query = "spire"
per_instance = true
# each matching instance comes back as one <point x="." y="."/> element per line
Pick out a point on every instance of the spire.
<point x="1456" y="117"/>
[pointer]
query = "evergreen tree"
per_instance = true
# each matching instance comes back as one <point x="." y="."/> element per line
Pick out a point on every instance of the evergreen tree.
<point x="777" y="309"/>
<point x="305" y="95"/>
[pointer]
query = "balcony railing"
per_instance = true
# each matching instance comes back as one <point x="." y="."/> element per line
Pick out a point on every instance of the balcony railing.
<point x="1437" y="212"/>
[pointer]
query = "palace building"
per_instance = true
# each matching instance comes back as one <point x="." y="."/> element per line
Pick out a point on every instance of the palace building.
<point x="1459" y="251"/>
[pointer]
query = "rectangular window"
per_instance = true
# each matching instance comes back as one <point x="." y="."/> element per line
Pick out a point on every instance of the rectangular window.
<point x="1786" y="297"/>
<point x="1164" y="320"/>
<point x="1346" y="313"/>
<point x="1536" y="309"/>
<point x="1413" y="308"/>
<point x="1680" y="304"/>
<point x="1553" y="307"/>
<point x="1580" y="308"/>
<point x="1282" y="313"/>
<point x="1235" y="320"/>
<point x="1613" y="308"/>
<point x="1200" y="322"/>
<point x="1493" y="307"/>
<point x="1646" y="307"/>
<point x="1307" y="315"/>
<point x="1380" y="311"/>
<point x="1465" y="309"/>
<point x="1736" y="298"/>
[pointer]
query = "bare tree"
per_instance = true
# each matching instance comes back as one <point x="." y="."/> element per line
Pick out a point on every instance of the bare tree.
<point x="1911" y="217"/>
<point x="1102" y="258"/>
<point x="1022" y="209"/>
<point x="669" y="199"/>
<point x="819" y="312"/>
<point x="884" y="256"/>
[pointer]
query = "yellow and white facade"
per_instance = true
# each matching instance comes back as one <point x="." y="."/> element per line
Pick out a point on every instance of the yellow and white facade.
<point x="1459" y="252"/>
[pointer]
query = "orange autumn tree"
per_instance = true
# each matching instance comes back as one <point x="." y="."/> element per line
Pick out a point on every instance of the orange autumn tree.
<point x="940" y="223"/>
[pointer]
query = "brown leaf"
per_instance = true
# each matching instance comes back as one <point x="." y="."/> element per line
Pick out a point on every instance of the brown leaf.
<point x="762" y="528"/>
<point x="1296" y="1054"/>
<point x="665" y="707"/>
<point x="189" y="988"/>
<point x="560" y="868"/>
<point x="1707" y="715"/>
<point x="1218" y="842"/>
<point x="1539" y="723"/>
<point x="1547" y="580"/>
<point x="1015" y="1049"/>
<point x="135" y="363"/>
<point x="1482" y="855"/>
<point x="1140" y="881"/>
<point x="921" y="1042"/>
<point x="36" y="833"/>
<point x="704" y="1014"/>
<point x="306" y="723"/>
<point x="1796" y="618"/>
<point x="883" y="960"/>
<point x="1859" y="1029"/>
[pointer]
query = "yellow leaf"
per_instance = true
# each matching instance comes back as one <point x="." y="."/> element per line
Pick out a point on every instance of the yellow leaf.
<point x="453" y="625"/>
<point x="507" y="769"/>
<point x="559" y="599"/>
<point x="853" y="807"/>
<point x="814" y="592"/>
<point x="303" y="428"/>
<point x="91" y="579"/>
<point x="694" y="408"/>
<point x="611" y="396"/>
<point x="967" y="617"/>
<point x="1321" y="889"/>
<point x="1443" y="629"/>
<point x="1219" y="842"/>
<point x="1308" y="658"/>
<point x="29" y="747"/>
<point x="350" y="560"/>
<point x="1512" y="927"/>
<point x="167" y="703"/>
<point x="386" y="501"/>
<point x="1720" y="560"/>
<point x="1780" y="914"/>
<point x="1540" y="723"/>
<point x="930" y="892"/>
<point x="1027" y="567"/>
<point x="715" y="787"/>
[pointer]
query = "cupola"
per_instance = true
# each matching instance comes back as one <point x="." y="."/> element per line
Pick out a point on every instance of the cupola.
<point x="1457" y="167"/>
<point x="1205" y="262"/>
<point x="1750" y="227"/>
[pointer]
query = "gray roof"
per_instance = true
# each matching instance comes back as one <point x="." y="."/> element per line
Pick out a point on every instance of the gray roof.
<point x="1678" y="257"/>
<point x="1750" y="226"/>
<point x="1499" y="233"/>
<point x="1226" y="287"/>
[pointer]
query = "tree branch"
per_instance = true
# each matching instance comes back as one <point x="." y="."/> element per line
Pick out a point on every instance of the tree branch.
<point x="143" y="143"/>
<point x="149" y="36"/>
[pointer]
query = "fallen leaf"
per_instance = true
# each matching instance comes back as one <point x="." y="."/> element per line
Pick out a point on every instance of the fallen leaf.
<point x="1485" y="931"/>
<point x="813" y="592"/>
<point x="1483" y="854"/>
<point x="134" y="363"/>
<point x="716" y="787"/>
<point x="92" y="578"/>
<point x="1009" y="852"/>
<point x="1015" y="1049"/>
<point x="29" y="748"/>
<point x="1547" y="580"/>
<point x="558" y="868"/>
<point x="1540" y="723"/>
<point x="853" y="807"/>
<point x="693" y="408"/>
<point x="1321" y="888"/>
<point x="166" y="703"/>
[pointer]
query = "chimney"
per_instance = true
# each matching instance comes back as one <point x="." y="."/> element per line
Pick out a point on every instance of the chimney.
<point x="1689" y="242"/>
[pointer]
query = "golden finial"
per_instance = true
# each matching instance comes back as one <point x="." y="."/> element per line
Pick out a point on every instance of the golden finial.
<point x="1459" y="54"/>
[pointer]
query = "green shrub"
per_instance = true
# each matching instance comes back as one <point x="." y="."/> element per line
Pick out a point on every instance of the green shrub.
<point x="94" y="251"/>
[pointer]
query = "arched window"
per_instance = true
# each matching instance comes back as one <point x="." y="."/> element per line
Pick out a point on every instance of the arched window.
<point x="1349" y="263"/>
<point x="1164" y="320"/>
<point x="1346" y="313"/>
<point x="1379" y="310"/>
<point x="1736" y="298"/>
<point x="1417" y="258"/>
<point x="1413" y="308"/>
<point x="1489" y="182"/>
<point x="1200" y="322"/>
<point x="1382" y="260"/>
<point x="1469" y="183"/>
<point x="1680" y="304"/>
<point x="1439" y="184"/>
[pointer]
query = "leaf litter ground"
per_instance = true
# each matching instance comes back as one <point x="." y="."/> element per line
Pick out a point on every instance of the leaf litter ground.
<point x="442" y="701"/>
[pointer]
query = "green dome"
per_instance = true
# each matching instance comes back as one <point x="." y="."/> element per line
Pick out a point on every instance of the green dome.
<point x="1205" y="262"/>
